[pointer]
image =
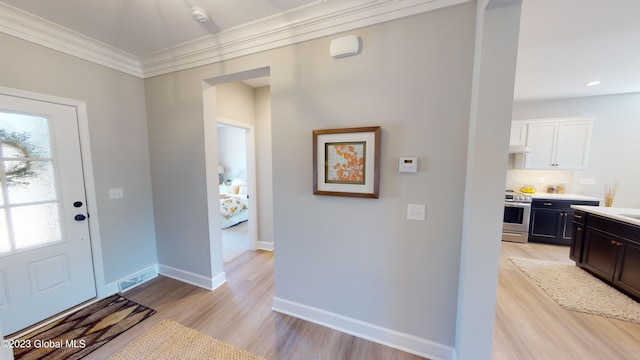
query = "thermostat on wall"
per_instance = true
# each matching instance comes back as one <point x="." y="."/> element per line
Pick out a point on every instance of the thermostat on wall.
<point x="408" y="164"/>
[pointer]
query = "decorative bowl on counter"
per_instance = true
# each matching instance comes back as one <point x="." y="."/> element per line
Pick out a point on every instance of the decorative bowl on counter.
<point x="528" y="189"/>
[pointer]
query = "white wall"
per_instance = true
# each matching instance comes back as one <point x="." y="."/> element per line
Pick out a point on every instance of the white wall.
<point x="614" y="142"/>
<point x="232" y="151"/>
<point x="264" y="165"/>
<point x="119" y="144"/>
<point x="494" y="76"/>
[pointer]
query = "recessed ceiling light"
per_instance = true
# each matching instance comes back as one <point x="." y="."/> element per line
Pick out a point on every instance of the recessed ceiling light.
<point x="592" y="83"/>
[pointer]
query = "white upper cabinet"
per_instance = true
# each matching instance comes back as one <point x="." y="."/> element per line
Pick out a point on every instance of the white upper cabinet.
<point x="558" y="144"/>
<point x="518" y="134"/>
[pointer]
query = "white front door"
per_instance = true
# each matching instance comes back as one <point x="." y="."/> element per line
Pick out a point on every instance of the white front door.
<point x="45" y="250"/>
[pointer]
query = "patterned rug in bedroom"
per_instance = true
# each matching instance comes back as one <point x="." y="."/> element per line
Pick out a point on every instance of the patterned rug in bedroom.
<point x="83" y="331"/>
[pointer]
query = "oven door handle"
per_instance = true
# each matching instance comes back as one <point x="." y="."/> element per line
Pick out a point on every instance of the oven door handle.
<point x="517" y="204"/>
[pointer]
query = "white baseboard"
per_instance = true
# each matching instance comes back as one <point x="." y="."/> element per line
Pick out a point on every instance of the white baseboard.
<point x="263" y="245"/>
<point x="193" y="279"/>
<point x="361" y="329"/>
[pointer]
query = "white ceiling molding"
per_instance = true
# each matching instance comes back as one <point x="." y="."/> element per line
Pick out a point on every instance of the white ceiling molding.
<point x="301" y="24"/>
<point x="26" y="26"/>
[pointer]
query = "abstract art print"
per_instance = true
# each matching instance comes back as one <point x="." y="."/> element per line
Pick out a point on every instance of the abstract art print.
<point x="346" y="162"/>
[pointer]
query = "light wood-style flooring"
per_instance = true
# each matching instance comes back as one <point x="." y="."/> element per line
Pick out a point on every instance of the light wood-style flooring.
<point x="239" y="313"/>
<point x="531" y="325"/>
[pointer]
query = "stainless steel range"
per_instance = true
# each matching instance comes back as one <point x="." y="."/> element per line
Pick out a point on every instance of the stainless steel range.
<point x="517" y="210"/>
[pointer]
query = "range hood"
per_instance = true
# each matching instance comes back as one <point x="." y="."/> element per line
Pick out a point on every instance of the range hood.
<point x="518" y="149"/>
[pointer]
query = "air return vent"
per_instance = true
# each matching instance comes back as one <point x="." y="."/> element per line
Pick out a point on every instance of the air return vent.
<point x="135" y="280"/>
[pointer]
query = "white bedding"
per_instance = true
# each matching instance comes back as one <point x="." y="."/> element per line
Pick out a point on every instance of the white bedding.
<point x="233" y="209"/>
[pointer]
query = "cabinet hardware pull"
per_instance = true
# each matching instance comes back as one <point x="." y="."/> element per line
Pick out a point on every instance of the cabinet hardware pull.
<point x="578" y="216"/>
<point x="547" y="204"/>
<point x="579" y="228"/>
<point x="613" y="242"/>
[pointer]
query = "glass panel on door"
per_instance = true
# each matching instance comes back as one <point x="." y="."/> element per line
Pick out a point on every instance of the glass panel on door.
<point x="27" y="184"/>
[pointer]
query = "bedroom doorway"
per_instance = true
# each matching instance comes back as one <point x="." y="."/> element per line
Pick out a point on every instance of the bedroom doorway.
<point x="241" y="100"/>
<point x="234" y="194"/>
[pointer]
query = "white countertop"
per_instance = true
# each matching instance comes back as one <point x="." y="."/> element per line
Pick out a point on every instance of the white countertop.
<point x="612" y="213"/>
<point x="543" y="195"/>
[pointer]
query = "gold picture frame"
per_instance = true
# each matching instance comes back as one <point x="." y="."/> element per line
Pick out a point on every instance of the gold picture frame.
<point x="346" y="162"/>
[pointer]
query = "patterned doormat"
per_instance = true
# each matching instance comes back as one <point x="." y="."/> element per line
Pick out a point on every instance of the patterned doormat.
<point x="80" y="333"/>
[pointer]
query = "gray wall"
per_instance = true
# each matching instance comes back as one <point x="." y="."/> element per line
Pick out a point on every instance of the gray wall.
<point x="119" y="144"/>
<point x="359" y="258"/>
<point x="614" y="142"/>
<point x="236" y="101"/>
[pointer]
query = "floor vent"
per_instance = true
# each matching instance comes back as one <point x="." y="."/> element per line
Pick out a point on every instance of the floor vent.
<point x="127" y="284"/>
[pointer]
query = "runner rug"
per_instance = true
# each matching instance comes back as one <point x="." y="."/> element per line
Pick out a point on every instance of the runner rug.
<point x="76" y="335"/>
<point x="169" y="340"/>
<point x="577" y="290"/>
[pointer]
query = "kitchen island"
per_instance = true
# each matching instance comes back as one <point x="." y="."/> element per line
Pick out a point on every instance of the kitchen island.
<point x="606" y="242"/>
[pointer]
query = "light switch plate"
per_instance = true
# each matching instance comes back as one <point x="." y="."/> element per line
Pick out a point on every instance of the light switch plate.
<point x="116" y="193"/>
<point x="416" y="212"/>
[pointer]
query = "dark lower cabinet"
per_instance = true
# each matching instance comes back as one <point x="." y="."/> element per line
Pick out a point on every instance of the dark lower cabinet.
<point x="602" y="253"/>
<point x="611" y="251"/>
<point x="577" y="242"/>
<point x="552" y="220"/>
<point x="628" y="277"/>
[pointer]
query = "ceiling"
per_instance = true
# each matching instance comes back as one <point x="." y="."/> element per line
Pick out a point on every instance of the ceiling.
<point x="563" y="43"/>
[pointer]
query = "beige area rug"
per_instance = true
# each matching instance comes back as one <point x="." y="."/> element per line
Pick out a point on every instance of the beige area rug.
<point x="577" y="290"/>
<point x="169" y="340"/>
<point x="235" y="241"/>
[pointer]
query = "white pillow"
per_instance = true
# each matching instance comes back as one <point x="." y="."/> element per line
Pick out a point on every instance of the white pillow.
<point x="238" y="182"/>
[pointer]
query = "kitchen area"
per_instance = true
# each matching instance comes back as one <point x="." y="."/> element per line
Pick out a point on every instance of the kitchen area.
<point x="545" y="157"/>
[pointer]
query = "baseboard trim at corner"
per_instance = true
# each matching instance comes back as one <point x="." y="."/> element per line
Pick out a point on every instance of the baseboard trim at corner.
<point x="192" y="278"/>
<point x="263" y="245"/>
<point x="395" y="339"/>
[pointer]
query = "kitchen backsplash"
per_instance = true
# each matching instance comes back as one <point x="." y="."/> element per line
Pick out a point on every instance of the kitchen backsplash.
<point x="540" y="179"/>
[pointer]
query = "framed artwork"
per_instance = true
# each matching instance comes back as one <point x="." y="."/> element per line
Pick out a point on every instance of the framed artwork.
<point x="346" y="162"/>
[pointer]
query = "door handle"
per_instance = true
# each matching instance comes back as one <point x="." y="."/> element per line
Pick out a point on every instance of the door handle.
<point x="80" y="217"/>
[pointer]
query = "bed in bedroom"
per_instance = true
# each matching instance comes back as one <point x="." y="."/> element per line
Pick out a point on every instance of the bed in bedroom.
<point x="234" y="207"/>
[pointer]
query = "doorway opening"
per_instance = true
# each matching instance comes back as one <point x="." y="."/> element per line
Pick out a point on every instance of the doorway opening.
<point x="237" y="123"/>
<point x="234" y="194"/>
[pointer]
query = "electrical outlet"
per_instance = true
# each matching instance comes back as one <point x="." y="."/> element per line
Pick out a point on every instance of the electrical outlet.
<point x="587" y="181"/>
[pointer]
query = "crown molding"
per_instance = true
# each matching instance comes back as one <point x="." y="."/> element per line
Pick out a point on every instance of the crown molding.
<point x="301" y="24"/>
<point x="321" y="18"/>
<point x="26" y="26"/>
